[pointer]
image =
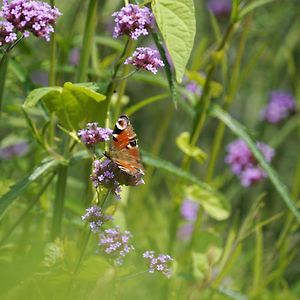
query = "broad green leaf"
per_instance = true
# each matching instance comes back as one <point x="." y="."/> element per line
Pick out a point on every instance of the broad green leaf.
<point x="36" y="95"/>
<point x="74" y="104"/>
<point x="215" y="89"/>
<point x="183" y="143"/>
<point x="214" y="204"/>
<point x="16" y="190"/>
<point x="176" y="21"/>
<point x="241" y="131"/>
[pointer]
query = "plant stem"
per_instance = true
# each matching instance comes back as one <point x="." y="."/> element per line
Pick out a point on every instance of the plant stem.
<point x="90" y="24"/>
<point x="3" y="71"/>
<point x="58" y="209"/>
<point x="52" y="72"/>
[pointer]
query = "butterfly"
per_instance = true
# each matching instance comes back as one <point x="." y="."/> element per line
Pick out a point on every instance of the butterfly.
<point x="124" y="152"/>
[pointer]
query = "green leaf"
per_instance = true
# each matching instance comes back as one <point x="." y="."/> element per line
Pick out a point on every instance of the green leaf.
<point x="183" y="143"/>
<point x="214" y="204"/>
<point x="16" y="190"/>
<point x="241" y="131"/>
<point x="176" y="21"/>
<point x="36" y="95"/>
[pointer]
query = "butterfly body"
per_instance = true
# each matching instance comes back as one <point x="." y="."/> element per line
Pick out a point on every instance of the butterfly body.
<point x="125" y="154"/>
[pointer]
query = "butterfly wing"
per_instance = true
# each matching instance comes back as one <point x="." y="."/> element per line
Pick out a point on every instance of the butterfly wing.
<point x="124" y="150"/>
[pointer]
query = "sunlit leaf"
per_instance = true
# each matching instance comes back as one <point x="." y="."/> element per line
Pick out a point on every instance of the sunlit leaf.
<point x="176" y="21"/>
<point x="214" y="204"/>
<point x="36" y="95"/>
<point x="183" y="143"/>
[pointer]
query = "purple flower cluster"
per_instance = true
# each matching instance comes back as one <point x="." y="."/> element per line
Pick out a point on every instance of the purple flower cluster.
<point x="17" y="149"/>
<point x="115" y="243"/>
<point x="104" y="173"/>
<point x="280" y="106"/>
<point x="133" y="21"/>
<point x="220" y="8"/>
<point x="145" y="58"/>
<point x="94" y="134"/>
<point x="243" y="163"/>
<point x="95" y="217"/>
<point x="7" y="34"/>
<point x="159" y="263"/>
<point x="30" y="16"/>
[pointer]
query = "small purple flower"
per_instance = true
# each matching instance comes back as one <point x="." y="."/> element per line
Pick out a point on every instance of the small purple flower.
<point x="159" y="263"/>
<point x="281" y="105"/>
<point x="145" y="58"/>
<point x="220" y="8"/>
<point x="104" y="173"/>
<point x="189" y="210"/>
<point x="133" y="20"/>
<point x="185" y="231"/>
<point x="94" y="134"/>
<point x="17" y="149"/>
<point x="74" y="56"/>
<point x="116" y="244"/>
<point x="7" y="34"/>
<point x="31" y="16"/>
<point x="243" y="163"/>
<point x="95" y="217"/>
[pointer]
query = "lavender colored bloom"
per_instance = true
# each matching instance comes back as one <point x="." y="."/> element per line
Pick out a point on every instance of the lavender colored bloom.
<point x="133" y="21"/>
<point x="189" y="210"/>
<point x="116" y="244"/>
<point x="280" y="106"/>
<point x="220" y="8"/>
<point x="94" y="134"/>
<point x="194" y="88"/>
<point x="7" y="34"/>
<point x="95" y="217"/>
<point x="243" y="163"/>
<point x="31" y="16"/>
<point x="145" y="58"/>
<point x="105" y="174"/>
<point x="74" y="56"/>
<point x="158" y="263"/>
<point x="185" y="231"/>
<point x="17" y="149"/>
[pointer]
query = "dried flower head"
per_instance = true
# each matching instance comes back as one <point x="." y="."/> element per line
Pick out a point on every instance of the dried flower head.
<point x="133" y="20"/>
<point x="159" y="263"/>
<point x="115" y="243"/>
<point x="145" y="58"/>
<point x="281" y="105"/>
<point x="7" y="34"/>
<point x="93" y="134"/>
<point x="31" y="16"/>
<point x="95" y="217"/>
<point x="189" y="210"/>
<point x="244" y="164"/>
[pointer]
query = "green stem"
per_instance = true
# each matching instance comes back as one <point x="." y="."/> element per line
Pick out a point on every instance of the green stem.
<point x="112" y="85"/>
<point x="87" y="41"/>
<point x="3" y="71"/>
<point x="52" y="72"/>
<point x="58" y="209"/>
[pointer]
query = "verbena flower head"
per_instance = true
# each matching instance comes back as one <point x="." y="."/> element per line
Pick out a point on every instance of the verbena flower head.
<point x="189" y="210"/>
<point x="220" y="8"/>
<point x="244" y="164"/>
<point x="145" y="58"/>
<point x="116" y="244"/>
<point x="94" y="134"/>
<point x="95" y="217"/>
<point x="159" y="263"/>
<point x="133" y="21"/>
<point x="31" y="16"/>
<point x="185" y="231"/>
<point x="105" y="173"/>
<point x="7" y="34"/>
<point x="281" y="105"/>
<point x="17" y="149"/>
